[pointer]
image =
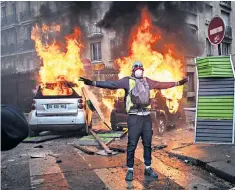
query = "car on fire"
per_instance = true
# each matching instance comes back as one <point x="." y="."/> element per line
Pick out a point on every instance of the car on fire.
<point x="162" y="118"/>
<point x="59" y="113"/>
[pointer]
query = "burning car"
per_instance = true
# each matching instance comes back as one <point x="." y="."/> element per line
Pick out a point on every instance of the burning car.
<point x="61" y="112"/>
<point x="162" y="118"/>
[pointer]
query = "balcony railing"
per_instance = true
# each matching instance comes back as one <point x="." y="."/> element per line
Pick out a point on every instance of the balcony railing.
<point x="17" y="48"/>
<point x="94" y="31"/>
<point x="228" y="32"/>
<point x="26" y="15"/>
<point x="8" y="20"/>
<point x="226" y="3"/>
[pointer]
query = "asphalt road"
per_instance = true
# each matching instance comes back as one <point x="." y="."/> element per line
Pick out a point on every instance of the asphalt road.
<point x="76" y="170"/>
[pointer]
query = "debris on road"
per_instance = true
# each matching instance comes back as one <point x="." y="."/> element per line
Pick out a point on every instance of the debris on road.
<point x="104" y="153"/>
<point x="38" y="146"/>
<point x="159" y="147"/>
<point x="107" y="150"/>
<point x="58" y="161"/>
<point x="106" y="137"/>
<point x="41" y="139"/>
<point x="38" y="155"/>
<point x="102" y="139"/>
<point x="118" y="150"/>
<point x="83" y="149"/>
<point x="55" y="156"/>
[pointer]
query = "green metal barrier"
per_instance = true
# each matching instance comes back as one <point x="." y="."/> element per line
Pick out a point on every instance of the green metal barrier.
<point x="215" y="100"/>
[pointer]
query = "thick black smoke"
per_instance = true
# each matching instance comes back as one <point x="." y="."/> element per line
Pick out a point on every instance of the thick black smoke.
<point x="168" y="16"/>
<point x="65" y="11"/>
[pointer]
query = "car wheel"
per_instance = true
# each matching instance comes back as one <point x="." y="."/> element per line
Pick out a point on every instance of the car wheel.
<point x="33" y="133"/>
<point x="114" y="127"/>
<point x="161" y="125"/>
<point x="85" y="131"/>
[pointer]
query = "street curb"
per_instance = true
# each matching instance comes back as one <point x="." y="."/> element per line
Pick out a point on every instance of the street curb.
<point x="205" y="166"/>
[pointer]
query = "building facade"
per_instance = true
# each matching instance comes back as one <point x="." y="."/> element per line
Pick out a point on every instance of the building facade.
<point x="17" y="48"/>
<point x="199" y="22"/>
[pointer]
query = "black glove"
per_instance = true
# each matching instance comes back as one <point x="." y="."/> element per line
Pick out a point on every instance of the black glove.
<point x="86" y="81"/>
<point x="181" y="82"/>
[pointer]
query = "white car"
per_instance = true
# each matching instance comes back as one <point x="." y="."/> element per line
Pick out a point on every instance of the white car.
<point x="59" y="113"/>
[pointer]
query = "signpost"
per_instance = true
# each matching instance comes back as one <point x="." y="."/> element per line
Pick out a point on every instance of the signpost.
<point x="216" y="31"/>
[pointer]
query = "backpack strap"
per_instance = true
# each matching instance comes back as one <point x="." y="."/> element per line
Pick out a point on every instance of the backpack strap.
<point x="129" y="104"/>
<point x="132" y="83"/>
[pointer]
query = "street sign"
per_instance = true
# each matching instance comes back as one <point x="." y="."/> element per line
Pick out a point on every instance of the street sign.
<point x="216" y="30"/>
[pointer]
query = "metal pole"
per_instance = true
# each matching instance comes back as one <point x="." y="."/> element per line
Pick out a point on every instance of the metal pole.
<point x="233" y="135"/>
<point x="219" y="49"/>
<point x="195" y="124"/>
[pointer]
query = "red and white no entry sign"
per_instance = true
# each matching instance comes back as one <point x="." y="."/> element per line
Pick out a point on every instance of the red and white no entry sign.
<point x="216" y="30"/>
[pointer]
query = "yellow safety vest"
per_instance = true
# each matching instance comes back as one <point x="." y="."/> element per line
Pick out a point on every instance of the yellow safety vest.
<point x="129" y="103"/>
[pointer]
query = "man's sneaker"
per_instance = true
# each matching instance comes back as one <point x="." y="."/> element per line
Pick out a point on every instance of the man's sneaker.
<point x="151" y="173"/>
<point x="129" y="175"/>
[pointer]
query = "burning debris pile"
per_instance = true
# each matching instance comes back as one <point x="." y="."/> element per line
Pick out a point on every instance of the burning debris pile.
<point x="165" y="67"/>
<point x="61" y="63"/>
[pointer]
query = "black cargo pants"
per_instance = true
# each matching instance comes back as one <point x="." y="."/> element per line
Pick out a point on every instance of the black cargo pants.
<point x="139" y="125"/>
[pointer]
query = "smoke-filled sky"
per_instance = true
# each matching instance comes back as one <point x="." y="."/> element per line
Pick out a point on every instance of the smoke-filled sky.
<point x="168" y="16"/>
<point x="121" y="17"/>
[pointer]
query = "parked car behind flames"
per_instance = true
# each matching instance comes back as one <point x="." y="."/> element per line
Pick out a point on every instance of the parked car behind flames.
<point x="162" y="119"/>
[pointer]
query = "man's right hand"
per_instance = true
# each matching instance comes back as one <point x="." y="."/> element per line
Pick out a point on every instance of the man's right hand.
<point x="181" y="82"/>
<point x="86" y="81"/>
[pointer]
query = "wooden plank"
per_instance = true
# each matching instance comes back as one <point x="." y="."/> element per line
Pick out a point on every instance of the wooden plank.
<point x="210" y="116"/>
<point x="215" y="93"/>
<point x="215" y="127"/>
<point x="101" y="142"/>
<point x="216" y="80"/>
<point x="215" y="122"/>
<point x="214" y="69"/>
<point x="217" y="90"/>
<point x="219" y="73"/>
<point x="215" y="116"/>
<point x="215" y="131"/>
<point x="215" y="104"/>
<point x="209" y="99"/>
<point x="215" y="74"/>
<point x="214" y="107"/>
<point x="213" y="86"/>
<point x="218" y="59"/>
<point x="219" y="116"/>
<point x="213" y="139"/>
<point x="214" y="135"/>
<point x="218" y="112"/>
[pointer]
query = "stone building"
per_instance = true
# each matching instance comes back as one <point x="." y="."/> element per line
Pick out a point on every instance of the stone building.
<point x="17" y="48"/>
<point x="199" y="22"/>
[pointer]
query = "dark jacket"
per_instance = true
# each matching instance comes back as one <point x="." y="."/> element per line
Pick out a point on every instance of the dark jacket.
<point x="124" y="84"/>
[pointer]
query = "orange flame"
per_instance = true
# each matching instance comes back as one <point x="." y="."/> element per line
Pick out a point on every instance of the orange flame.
<point x="61" y="62"/>
<point x="162" y="67"/>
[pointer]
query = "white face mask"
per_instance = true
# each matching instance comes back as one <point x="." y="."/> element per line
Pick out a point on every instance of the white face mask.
<point x="139" y="73"/>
